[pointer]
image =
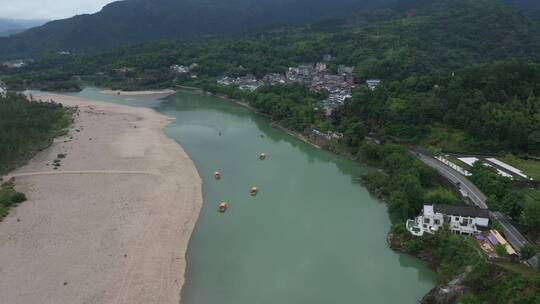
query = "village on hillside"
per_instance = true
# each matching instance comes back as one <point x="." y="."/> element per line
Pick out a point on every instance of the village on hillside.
<point x="314" y="76"/>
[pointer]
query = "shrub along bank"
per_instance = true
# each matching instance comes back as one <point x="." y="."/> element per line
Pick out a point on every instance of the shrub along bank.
<point x="26" y="127"/>
<point x="9" y="197"/>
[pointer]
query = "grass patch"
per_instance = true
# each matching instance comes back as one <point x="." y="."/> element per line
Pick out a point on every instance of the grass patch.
<point x="532" y="196"/>
<point x="530" y="167"/>
<point x="447" y="139"/>
<point x="450" y="139"/>
<point x="518" y="268"/>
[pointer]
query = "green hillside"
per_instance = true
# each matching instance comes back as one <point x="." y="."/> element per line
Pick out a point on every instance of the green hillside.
<point x="135" y="21"/>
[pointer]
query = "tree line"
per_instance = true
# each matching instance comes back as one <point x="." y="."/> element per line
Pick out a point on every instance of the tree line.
<point x="27" y="126"/>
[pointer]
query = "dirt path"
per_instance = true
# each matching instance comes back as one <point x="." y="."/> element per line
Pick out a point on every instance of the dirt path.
<point x="76" y="173"/>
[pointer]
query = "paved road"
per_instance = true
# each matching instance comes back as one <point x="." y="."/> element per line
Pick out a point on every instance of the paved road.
<point x="468" y="189"/>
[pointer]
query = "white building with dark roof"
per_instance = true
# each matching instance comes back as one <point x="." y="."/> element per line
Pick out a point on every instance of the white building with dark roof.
<point x="372" y="84"/>
<point x="3" y="90"/>
<point x="179" y="69"/>
<point x="459" y="219"/>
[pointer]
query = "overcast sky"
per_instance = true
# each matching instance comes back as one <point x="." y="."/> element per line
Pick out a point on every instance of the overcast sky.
<point x="48" y="9"/>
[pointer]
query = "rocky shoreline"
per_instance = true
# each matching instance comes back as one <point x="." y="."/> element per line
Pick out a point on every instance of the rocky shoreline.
<point x="444" y="293"/>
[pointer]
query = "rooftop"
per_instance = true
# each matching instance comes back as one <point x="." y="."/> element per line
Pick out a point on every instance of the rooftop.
<point x="461" y="211"/>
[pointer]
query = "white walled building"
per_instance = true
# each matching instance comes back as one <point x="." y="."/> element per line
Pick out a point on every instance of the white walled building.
<point x="179" y="69"/>
<point x="3" y="89"/>
<point x="372" y="84"/>
<point x="462" y="220"/>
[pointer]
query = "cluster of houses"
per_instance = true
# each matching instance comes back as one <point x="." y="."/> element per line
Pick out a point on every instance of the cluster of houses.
<point x="3" y="90"/>
<point x="14" y="64"/>
<point x="314" y="76"/>
<point x="244" y="83"/>
<point x="339" y="86"/>
<point x="190" y="70"/>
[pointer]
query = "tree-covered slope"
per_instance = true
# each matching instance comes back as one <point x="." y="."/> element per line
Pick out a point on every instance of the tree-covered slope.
<point x="409" y="38"/>
<point x="437" y="34"/>
<point x="491" y="108"/>
<point x="135" y="21"/>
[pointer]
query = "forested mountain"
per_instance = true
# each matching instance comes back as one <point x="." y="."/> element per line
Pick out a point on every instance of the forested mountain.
<point x="409" y="38"/>
<point x="135" y="21"/>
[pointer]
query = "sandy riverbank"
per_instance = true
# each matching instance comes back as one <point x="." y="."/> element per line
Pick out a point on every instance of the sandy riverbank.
<point x="112" y="224"/>
<point x="140" y="94"/>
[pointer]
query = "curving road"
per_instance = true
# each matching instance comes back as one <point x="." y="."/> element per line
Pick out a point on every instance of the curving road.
<point x="466" y="187"/>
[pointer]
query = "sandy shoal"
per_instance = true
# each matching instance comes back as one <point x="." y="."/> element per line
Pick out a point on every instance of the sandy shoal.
<point x="112" y="225"/>
<point x="140" y="94"/>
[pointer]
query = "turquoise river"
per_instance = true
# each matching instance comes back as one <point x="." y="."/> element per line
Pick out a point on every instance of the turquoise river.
<point x="313" y="234"/>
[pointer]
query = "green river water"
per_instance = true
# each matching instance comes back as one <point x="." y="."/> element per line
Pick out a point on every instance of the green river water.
<point x="312" y="235"/>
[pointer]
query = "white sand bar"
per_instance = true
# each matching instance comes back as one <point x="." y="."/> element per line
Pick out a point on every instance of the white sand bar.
<point x="112" y="224"/>
<point x="140" y="94"/>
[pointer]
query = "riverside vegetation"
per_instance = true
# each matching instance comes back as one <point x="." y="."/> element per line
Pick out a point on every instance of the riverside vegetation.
<point x="457" y="75"/>
<point x="26" y="127"/>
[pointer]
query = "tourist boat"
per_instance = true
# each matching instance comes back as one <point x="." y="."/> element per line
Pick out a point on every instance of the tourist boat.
<point x="217" y="175"/>
<point x="262" y="156"/>
<point x="223" y="206"/>
<point x="254" y="191"/>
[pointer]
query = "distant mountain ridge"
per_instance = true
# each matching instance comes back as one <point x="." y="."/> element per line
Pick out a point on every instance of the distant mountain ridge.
<point x="134" y="21"/>
<point x="530" y="8"/>
<point x="14" y="26"/>
<point x="524" y="4"/>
